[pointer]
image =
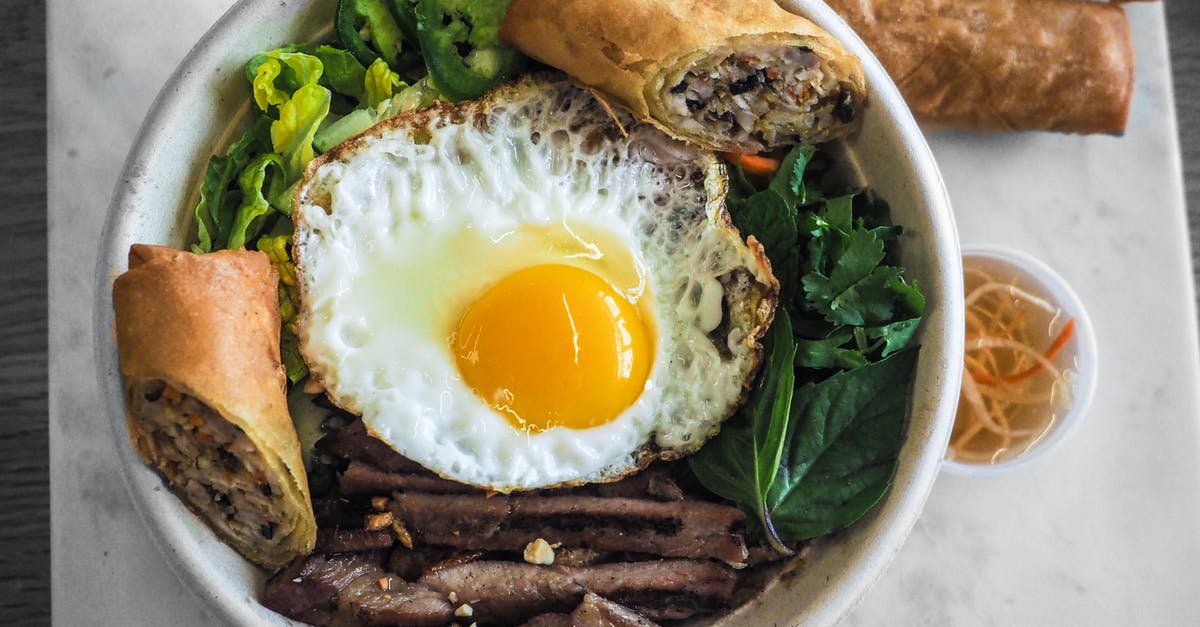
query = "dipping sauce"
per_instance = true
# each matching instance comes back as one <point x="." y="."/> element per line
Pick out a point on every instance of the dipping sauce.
<point x="1018" y="367"/>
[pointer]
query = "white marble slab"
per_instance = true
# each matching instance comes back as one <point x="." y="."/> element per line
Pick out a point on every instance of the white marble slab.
<point x="1103" y="532"/>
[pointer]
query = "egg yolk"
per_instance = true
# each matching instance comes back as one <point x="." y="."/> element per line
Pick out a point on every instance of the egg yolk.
<point x="554" y="345"/>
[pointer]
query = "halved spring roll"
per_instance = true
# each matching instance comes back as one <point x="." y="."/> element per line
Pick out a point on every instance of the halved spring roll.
<point x="741" y="76"/>
<point x="198" y="338"/>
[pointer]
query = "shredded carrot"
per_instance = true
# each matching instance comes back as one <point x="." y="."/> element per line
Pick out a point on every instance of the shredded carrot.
<point x="1063" y="337"/>
<point x="754" y="165"/>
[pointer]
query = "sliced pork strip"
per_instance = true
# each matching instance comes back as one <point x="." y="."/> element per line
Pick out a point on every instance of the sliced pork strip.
<point x="354" y="442"/>
<point x="510" y="592"/>
<point x="507" y="592"/>
<point x="597" y="611"/>
<point x="361" y="478"/>
<point x="691" y="529"/>
<point x="353" y="540"/>
<point x="307" y="590"/>
<point x="661" y="590"/>
<point x="377" y="598"/>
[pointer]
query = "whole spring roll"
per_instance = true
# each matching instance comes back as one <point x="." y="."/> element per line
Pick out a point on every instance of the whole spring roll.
<point x="1003" y="65"/>
<point x="742" y="76"/>
<point x="198" y="339"/>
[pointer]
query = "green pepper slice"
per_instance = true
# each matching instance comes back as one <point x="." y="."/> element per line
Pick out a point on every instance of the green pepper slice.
<point x="368" y="29"/>
<point x="461" y="45"/>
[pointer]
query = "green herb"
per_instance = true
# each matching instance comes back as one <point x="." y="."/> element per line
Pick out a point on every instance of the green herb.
<point x="811" y="459"/>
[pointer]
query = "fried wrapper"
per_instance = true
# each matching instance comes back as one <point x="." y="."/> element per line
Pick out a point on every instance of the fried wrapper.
<point x="198" y="340"/>
<point x="692" y="67"/>
<point x="1003" y="65"/>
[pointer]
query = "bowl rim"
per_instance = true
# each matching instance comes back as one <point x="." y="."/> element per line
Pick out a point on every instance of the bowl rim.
<point x="1051" y="283"/>
<point x="233" y="605"/>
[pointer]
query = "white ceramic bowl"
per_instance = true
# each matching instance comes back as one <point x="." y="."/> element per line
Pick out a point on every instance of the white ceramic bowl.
<point x="199" y="110"/>
<point x="1041" y="280"/>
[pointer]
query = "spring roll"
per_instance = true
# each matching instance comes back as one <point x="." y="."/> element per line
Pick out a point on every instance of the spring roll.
<point x="1003" y="65"/>
<point x="198" y="340"/>
<point x="742" y="76"/>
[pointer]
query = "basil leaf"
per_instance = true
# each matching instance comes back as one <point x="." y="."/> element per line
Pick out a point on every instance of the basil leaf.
<point x="741" y="463"/>
<point x="844" y="437"/>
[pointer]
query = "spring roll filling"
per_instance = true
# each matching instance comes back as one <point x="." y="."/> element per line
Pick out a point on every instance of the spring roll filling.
<point x="210" y="462"/>
<point x="760" y="97"/>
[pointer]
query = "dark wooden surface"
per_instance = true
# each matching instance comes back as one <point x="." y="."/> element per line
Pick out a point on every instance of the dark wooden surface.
<point x="24" y="445"/>
<point x="1183" y="26"/>
<point x="24" y="452"/>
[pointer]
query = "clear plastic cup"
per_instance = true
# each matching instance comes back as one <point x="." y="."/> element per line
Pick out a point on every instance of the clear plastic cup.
<point x="1046" y="283"/>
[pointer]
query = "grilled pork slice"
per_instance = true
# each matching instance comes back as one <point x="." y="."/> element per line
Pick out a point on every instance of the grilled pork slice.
<point x="362" y="478"/>
<point x="510" y="592"/>
<point x="352" y="589"/>
<point x="690" y="529"/>
<point x="381" y="599"/>
<point x="308" y="589"/>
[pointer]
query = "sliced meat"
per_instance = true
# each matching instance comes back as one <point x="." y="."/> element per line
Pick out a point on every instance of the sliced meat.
<point x="510" y="592"/>
<point x="341" y="512"/>
<point x="550" y="620"/>
<point x="307" y="590"/>
<point x="661" y="590"/>
<point x="691" y="529"/>
<point x="507" y="592"/>
<point x="362" y="478"/>
<point x="654" y="482"/>
<point x="353" y="442"/>
<point x="353" y="540"/>
<point x="597" y="611"/>
<point x="579" y="556"/>
<point x="380" y="599"/>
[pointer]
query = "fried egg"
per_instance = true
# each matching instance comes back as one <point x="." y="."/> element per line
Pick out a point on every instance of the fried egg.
<point x="516" y="294"/>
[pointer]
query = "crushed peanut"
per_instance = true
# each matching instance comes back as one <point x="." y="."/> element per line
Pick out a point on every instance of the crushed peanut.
<point x="384" y="583"/>
<point x="539" y="552"/>
<point x="379" y="503"/>
<point x="375" y="522"/>
<point x="464" y="610"/>
<point x="402" y="534"/>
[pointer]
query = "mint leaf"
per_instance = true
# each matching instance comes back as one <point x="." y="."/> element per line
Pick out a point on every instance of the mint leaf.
<point x="844" y="437"/>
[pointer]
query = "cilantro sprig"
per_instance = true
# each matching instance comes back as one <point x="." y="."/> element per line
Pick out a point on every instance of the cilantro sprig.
<point x="816" y="446"/>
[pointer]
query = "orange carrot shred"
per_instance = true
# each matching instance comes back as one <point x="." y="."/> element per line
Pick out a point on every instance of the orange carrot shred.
<point x="1064" y="336"/>
<point x="754" y="165"/>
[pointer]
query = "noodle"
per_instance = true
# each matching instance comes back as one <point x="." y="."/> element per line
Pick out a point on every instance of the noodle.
<point x="1012" y="388"/>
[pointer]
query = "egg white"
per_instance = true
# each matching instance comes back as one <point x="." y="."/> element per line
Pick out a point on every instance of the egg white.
<point x="399" y="232"/>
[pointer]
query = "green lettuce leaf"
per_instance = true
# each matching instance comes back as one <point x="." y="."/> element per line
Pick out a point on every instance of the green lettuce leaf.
<point x="380" y="83"/>
<point x="343" y="73"/>
<point x="299" y="118"/>
<point x="216" y="208"/>
<point x="276" y="74"/>
<point x="264" y="177"/>
<point x="277" y="248"/>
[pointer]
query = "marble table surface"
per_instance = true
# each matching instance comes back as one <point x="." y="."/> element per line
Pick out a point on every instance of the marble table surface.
<point x="1102" y="532"/>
